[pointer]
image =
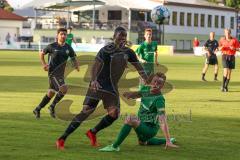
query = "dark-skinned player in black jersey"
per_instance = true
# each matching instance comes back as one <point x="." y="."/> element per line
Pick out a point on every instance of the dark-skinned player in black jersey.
<point x="58" y="54"/>
<point x="109" y="65"/>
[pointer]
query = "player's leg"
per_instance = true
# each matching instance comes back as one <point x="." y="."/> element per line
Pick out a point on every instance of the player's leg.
<point x="204" y="71"/>
<point x="129" y="123"/>
<point x="145" y="132"/>
<point x="62" y="91"/>
<point x="90" y="105"/>
<point x="45" y="100"/>
<point x="216" y="71"/>
<point x="225" y="71"/>
<point x="112" y="104"/>
<point x="229" y="72"/>
<point x="106" y="121"/>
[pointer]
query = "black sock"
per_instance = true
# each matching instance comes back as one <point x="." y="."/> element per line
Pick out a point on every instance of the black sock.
<point x="203" y="75"/>
<point x="44" y="102"/>
<point x="215" y="76"/>
<point x="224" y="81"/>
<point x="76" y="122"/>
<point x="57" y="98"/>
<point x="105" y="122"/>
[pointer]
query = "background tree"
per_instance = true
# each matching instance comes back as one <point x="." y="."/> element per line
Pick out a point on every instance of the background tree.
<point x="4" y="5"/>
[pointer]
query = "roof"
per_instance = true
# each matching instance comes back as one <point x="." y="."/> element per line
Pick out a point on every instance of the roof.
<point x="5" y="15"/>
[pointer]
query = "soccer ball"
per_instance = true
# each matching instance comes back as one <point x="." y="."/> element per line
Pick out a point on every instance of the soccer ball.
<point x="160" y="15"/>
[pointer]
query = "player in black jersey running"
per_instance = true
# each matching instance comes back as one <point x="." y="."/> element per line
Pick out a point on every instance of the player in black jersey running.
<point x="58" y="54"/>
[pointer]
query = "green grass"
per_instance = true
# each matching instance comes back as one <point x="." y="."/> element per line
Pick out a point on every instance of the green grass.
<point x="212" y="132"/>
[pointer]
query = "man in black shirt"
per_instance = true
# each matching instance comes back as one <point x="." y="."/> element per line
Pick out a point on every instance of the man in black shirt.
<point x="58" y="54"/>
<point x="108" y="68"/>
<point x="211" y="47"/>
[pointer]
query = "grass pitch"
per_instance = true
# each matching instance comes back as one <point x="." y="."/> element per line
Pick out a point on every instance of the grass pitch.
<point x="205" y="121"/>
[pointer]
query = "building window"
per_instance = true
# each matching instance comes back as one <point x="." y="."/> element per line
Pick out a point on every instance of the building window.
<point x="114" y="15"/>
<point x="174" y="18"/>
<point x="202" y="20"/>
<point x="195" y="20"/>
<point x="232" y="23"/>
<point x="137" y="15"/>
<point x="189" y="19"/>
<point x="209" y="21"/>
<point x="216" y="21"/>
<point x="222" y="22"/>
<point x="181" y="18"/>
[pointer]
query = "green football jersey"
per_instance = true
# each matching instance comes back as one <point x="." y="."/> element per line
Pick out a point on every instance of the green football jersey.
<point x="69" y="39"/>
<point x="146" y="52"/>
<point x="150" y="108"/>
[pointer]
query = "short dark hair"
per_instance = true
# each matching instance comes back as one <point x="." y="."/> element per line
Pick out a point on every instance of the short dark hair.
<point x="61" y="30"/>
<point x="159" y="74"/>
<point x="119" y="29"/>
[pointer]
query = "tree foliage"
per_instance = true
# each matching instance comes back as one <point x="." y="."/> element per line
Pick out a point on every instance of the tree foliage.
<point x="4" y="5"/>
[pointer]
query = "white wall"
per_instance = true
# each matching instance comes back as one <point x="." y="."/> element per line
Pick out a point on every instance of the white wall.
<point x="199" y="30"/>
<point x="12" y="27"/>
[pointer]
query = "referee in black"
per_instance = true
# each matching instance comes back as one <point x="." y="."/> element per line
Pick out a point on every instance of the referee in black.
<point x="211" y="46"/>
<point x="58" y="54"/>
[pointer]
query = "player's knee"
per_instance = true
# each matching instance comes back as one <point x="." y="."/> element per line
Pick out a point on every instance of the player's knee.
<point x="88" y="109"/>
<point x="114" y="113"/>
<point x="50" y="93"/>
<point x="63" y="89"/>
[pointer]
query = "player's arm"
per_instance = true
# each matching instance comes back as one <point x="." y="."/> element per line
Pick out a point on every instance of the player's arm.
<point x="156" y="57"/>
<point x="141" y="71"/>
<point x="132" y="95"/>
<point x="165" y="130"/>
<point x="96" y="68"/>
<point x="42" y="57"/>
<point x="135" y="62"/>
<point x="73" y="56"/>
<point x="139" y="52"/>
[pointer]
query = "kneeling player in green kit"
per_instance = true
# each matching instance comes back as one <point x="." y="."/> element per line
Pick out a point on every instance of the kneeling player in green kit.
<point x="151" y="116"/>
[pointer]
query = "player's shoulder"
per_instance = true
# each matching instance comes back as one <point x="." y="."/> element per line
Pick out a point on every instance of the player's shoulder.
<point x="108" y="48"/>
<point x="222" y="39"/>
<point x="52" y="45"/>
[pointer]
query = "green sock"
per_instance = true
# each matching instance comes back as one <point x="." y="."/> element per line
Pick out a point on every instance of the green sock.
<point x="122" y="135"/>
<point x="156" y="141"/>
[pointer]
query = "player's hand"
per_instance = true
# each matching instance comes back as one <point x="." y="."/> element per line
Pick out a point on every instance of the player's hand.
<point x="94" y="85"/>
<point x="170" y="145"/>
<point x="142" y="61"/>
<point x="45" y="67"/>
<point x="127" y="95"/>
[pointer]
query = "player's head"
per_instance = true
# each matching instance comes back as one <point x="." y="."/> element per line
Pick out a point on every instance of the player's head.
<point x="148" y="34"/>
<point x="61" y="35"/>
<point x="211" y="35"/>
<point x="227" y="32"/>
<point x="157" y="81"/>
<point x="120" y="36"/>
<point x="69" y="30"/>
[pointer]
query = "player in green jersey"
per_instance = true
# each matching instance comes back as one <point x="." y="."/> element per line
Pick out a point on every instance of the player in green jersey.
<point x="151" y="116"/>
<point x="70" y="37"/>
<point x="147" y="55"/>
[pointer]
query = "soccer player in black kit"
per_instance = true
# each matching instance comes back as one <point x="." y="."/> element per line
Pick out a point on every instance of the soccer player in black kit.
<point x="211" y="46"/>
<point x="107" y="69"/>
<point x="58" y="54"/>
